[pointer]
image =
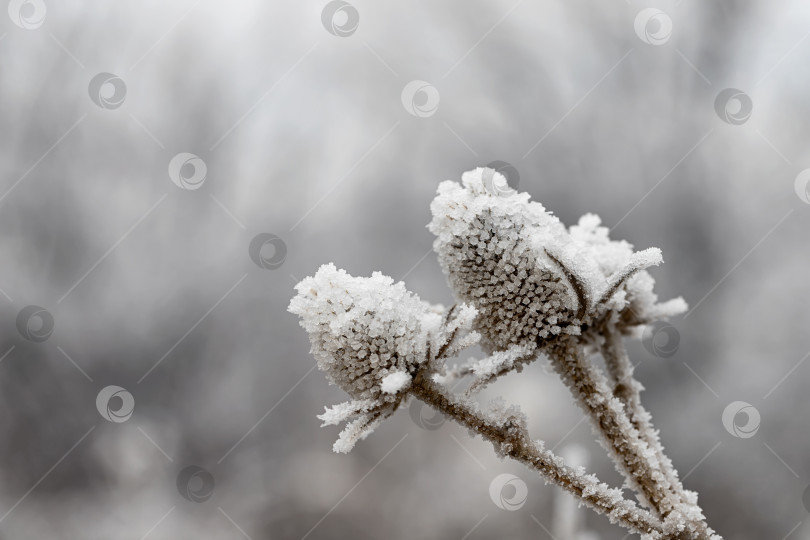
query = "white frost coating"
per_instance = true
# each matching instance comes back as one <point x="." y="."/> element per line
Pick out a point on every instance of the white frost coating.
<point x="526" y="286"/>
<point x="362" y="329"/>
<point x="341" y="412"/>
<point x="394" y="382"/>
<point x="529" y="277"/>
<point x="616" y="257"/>
<point x="610" y="255"/>
<point x="491" y="249"/>
<point x="567" y="519"/>
<point x="354" y="431"/>
<point x="499" y="360"/>
<point x="371" y="336"/>
<point x="455" y="335"/>
<point x="500" y="363"/>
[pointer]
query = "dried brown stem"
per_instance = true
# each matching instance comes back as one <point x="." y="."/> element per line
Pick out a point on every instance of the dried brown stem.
<point x="628" y="390"/>
<point x="513" y="440"/>
<point x="618" y="435"/>
<point x="579" y="287"/>
<point x="594" y="396"/>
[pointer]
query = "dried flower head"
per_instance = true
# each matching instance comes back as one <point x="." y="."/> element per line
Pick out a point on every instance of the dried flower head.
<point x="527" y="284"/>
<point x="369" y="335"/>
<point x="530" y="278"/>
<point x="632" y="297"/>
<point x="491" y="244"/>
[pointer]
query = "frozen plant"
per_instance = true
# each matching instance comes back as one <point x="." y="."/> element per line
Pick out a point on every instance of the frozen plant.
<point x="527" y="287"/>
<point x="566" y="520"/>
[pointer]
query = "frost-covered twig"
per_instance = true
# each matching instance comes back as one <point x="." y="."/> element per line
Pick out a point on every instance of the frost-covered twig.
<point x="499" y="364"/>
<point x="567" y="522"/>
<point x="628" y="390"/>
<point x="372" y="338"/>
<point x="527" y="287"/>
<point x="610" y="420"/>
<point x="510" y="438"/>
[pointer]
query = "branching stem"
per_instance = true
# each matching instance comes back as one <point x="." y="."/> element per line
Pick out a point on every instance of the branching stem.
<point x="628" y="390"/>
<point x="514" y="441"/>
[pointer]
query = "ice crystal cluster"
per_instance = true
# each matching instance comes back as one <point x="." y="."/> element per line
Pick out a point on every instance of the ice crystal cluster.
<point x="530" y="277"/>
<point x="369" y="336"/>
<point x="366" y="334"/>
<point x="526" y="287"/>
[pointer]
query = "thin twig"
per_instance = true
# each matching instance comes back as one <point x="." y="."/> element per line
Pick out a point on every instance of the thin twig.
<point x="621" y="439"/>
<point x="628" y="390"/>
<point x="513" y="441"/>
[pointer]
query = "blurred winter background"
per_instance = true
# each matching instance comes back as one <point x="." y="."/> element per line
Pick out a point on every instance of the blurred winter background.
<point x="301" y="140"/>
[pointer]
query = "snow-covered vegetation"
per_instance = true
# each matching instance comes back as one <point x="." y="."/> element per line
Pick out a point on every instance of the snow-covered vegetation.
<point x="527" y="287"/>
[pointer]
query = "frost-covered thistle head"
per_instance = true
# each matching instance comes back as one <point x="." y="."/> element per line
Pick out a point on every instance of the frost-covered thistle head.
<point x="529" y="277"/>
<point x="372" y="337"/>
<point x="369" y="335"/>
<point x="492" y="246"/>
<point x="526" y="285"/>
<point x="632" y="298"/>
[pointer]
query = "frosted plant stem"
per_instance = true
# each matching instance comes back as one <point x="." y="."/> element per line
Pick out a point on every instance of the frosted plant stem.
<point x="527" y="286"/>
<point x="628" y="390"/>
<point x="513" y="440"/>
<point x="610" y="421"/>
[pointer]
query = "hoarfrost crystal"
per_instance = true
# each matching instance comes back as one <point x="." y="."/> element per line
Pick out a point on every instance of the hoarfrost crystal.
<point x="526" y="286"/>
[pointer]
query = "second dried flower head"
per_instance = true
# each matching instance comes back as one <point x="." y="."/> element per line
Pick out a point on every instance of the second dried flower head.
<point x="530" y="277"/>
